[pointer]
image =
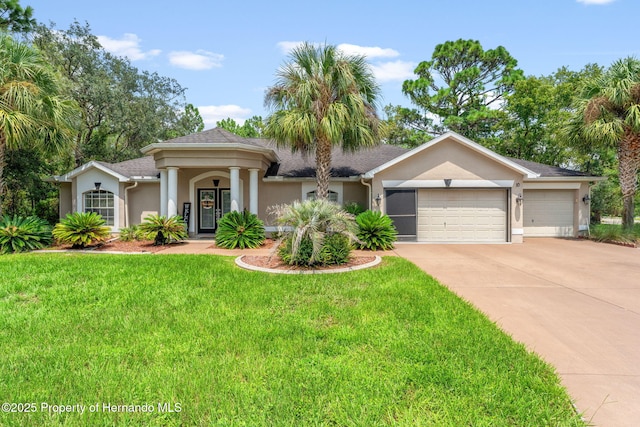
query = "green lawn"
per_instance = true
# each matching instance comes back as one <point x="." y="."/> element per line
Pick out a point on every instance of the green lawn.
<point x="222" y="346"/>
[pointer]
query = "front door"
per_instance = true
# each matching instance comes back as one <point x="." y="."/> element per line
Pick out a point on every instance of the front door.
<point x="213" y="203"/>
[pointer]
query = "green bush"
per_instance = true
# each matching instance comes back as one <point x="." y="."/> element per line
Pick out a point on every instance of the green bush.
<point x="376" y="231"/>
<point x="335" y="250"/>
<point x="353" y="208"/>
<point x="240" y="230"/>
<point x="129" y="234"/>
<point x="307" y="226"/>
<point x="20" y="234"/>
<point x="81" y="229"/>
<point x="614" y="233"/>
<point x="163" y="230"/>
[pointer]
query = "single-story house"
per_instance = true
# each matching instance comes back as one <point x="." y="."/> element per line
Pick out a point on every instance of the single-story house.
<point x="449" y="189"/>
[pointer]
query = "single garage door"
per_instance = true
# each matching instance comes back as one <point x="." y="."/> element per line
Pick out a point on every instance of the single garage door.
<point x="548" y="213"/>
<point x="462" y="215"/>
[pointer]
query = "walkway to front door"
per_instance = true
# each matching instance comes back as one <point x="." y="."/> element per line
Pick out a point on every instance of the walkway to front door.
<point x="213" y="203"/>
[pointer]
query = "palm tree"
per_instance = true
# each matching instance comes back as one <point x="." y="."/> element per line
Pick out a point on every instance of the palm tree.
<point x="608" y="112"/>
<point x="323" y="98"/>
<point x="31" y="109"/>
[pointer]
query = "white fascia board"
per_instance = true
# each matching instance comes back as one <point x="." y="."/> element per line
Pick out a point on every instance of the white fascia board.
<point x="169" y="146"/>
<point x="455" y="183"/>
<point x="461" y="139"/>
<point x="93" y="164"/>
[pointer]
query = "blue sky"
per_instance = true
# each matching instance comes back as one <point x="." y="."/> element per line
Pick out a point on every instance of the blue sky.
<point x="226" y="53"/>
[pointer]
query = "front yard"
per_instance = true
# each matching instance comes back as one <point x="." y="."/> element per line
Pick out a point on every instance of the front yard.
<point x="202" y="342"/>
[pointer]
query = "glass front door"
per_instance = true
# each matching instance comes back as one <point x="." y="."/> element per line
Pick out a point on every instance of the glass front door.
<point x="213" y="203"/>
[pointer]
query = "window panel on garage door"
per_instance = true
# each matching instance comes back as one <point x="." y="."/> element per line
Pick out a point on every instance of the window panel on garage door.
<point x="401" y="208"/>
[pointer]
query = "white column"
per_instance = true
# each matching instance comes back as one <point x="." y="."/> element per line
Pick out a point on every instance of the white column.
<point x="234" y="177"/>
<point x="172" y="191"/>
<point x="163" y="192"/>
<point x="253" y="191"/>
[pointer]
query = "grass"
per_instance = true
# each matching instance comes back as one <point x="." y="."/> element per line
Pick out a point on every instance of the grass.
<point x="227" y="347"/>
<point x="614" y="233"/>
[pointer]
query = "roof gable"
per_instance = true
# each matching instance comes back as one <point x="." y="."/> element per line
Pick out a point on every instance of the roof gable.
<point x="464" y="142"/>
<point x="93" y="165"/>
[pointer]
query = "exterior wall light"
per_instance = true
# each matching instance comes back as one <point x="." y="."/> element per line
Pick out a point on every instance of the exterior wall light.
<point x="519" y="199"/>
<point x="586" y="199"/>
<point x="97" y="185"/>
<point x="378" y="199"/>
<point x="216" y="182"/>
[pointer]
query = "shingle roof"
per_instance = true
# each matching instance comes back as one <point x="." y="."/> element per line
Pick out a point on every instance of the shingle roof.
<point x="343" y="164"/>
<point x="216" y="136"/>
<point x="143" y="166"/>
<point x="547" y="171"/>
<point x="294" y="165"/>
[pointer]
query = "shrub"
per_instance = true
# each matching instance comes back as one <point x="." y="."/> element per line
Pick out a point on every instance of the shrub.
<point x="613" y="233"/>
<point x="240" y="230"/>
<point x="81" y="229"/>
<point x="162" y="229"/>
<point x="353" y="208"/>
<point x="335" y="250"/>
<point x="129" y="234"/>
<point x="305" y="227"/>
<point x="20" y="234"/>
<point x="376" y="231"/>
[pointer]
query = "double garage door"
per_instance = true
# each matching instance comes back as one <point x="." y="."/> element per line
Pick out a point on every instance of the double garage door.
<point x="462" y="215"/>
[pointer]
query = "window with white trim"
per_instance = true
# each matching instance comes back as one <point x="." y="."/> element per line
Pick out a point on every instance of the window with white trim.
<point x="332" y="197"/>
<point x="100" y="202"/>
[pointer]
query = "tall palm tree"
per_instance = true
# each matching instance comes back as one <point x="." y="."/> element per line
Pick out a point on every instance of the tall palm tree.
<point x="32" y="113"/>
<point x="608" y="112"/>
<point x="323" y="98"/>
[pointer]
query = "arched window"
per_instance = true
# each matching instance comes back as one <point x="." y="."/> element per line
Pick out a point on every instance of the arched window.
<point x="100" y="202"/>
<point x="332" y="197"/>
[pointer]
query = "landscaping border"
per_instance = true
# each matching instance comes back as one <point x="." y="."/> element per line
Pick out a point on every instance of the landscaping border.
<point x="240" y="263"/>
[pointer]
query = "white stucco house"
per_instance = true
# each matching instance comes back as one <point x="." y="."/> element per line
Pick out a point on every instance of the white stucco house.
<point x="449" y="189"/>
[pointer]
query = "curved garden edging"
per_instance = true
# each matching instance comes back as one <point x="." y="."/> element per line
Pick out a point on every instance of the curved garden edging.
<point x="242" y="264"/>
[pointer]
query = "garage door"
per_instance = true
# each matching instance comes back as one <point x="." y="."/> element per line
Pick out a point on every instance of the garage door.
<point x="548" y="213"/>
<point x="462" y="215"/>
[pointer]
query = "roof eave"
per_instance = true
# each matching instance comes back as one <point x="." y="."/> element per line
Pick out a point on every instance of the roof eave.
<point x="159" y="146"/>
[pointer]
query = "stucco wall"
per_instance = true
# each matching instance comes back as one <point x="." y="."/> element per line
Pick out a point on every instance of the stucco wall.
<point x="143" y="200"/>
<point x="66" y="199"/>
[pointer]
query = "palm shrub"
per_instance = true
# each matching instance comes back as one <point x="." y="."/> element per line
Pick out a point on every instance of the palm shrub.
<point x="81" y="229"/>
<point x="20" y="234"/>
<point x="375" y="231"/>
<point x="306" y="228"/>
<point x="354" y="208"/>
<point x="163" y="230"/>
<point x="240" y="230"/>
<point x="129" y="234"/>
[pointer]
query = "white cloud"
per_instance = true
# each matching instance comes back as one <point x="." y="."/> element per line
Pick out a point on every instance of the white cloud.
<point x="595" y="1"/>
<point x="214" y="113"/>
<point x="198" y="60"/>
<point x="128" y="45"/>
<point x="287" y="47"/>
<point x="369" y="52"/>
<point x="393" y="71"/>
<point x="349" y="49"/>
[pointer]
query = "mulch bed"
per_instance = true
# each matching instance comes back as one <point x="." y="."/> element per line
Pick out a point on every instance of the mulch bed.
<point x="118" y="246"/>
<point x="275" y="263"/>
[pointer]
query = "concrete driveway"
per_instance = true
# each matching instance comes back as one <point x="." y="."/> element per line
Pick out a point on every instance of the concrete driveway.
<point x="574" y="302"/>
